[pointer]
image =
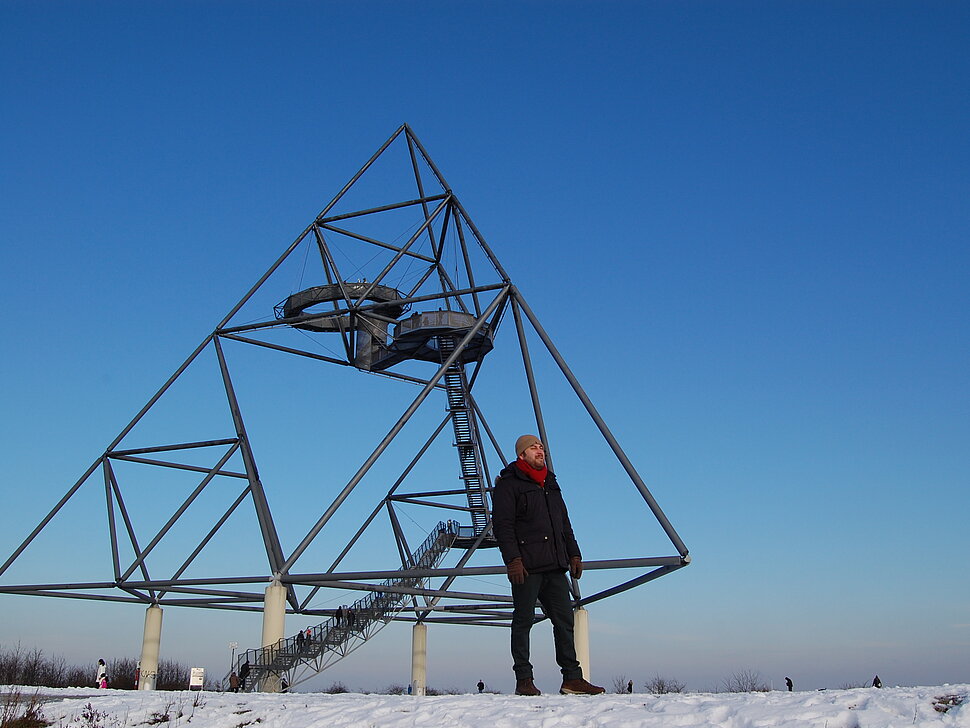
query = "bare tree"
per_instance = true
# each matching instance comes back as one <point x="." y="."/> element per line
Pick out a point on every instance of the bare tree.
<point x="172" y="676"/>
<point x="745" y="681"/>
<point x="121" y="673"/>
<point x="620" y="683"/>
<point x="32" y="667"/>
<point x="54" y="672"/>
<point x="78" y="677"/>
<point x="22" y="667"/>
<point x="10" y="660"/>
<point x="661" y="685"/>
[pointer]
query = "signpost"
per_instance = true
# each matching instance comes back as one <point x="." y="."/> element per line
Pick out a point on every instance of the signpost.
<point x="197" y="678"/>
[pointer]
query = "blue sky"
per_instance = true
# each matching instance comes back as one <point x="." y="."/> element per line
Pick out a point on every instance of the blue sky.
<point x="744" y="224"/>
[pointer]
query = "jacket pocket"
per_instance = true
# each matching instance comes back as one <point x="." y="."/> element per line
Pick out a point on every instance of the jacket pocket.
<point x="529" y="503"/>
<point x="538" y="552"/>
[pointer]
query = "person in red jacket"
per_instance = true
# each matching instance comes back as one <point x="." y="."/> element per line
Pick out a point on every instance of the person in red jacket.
<point x="533" y="531"/>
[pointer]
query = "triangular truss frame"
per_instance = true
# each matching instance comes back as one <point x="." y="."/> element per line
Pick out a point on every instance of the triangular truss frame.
<point x="361" y="314"/>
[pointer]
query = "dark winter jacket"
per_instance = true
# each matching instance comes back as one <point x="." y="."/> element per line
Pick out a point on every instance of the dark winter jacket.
<point x="531" y="521"/>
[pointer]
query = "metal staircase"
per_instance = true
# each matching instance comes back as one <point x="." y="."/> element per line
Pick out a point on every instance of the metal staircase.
<point x="332" y="640"/>
<point x="466" y="435"/>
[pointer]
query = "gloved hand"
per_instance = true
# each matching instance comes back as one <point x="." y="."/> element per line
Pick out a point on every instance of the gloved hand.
<point x="517" y="572"/>
<point x="576" y="567"/>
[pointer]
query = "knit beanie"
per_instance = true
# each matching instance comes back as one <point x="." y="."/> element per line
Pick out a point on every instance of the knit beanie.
<point x="524" y="443"/>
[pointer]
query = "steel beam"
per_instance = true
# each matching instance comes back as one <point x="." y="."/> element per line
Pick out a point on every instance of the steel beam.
<point x="601" y="425"/>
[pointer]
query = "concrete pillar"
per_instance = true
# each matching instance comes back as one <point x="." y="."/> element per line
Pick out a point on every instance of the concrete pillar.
<point x="419" y="659"/>
<point x="150" y="644"/>
<point x="581" y="639"/>
<point x="274" y="618"/>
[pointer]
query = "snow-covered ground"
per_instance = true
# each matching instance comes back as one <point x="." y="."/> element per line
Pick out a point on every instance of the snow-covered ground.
<point x="856" y="708"/>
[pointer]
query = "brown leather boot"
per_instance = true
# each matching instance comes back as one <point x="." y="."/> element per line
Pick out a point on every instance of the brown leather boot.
<point x="525" y="686"/>
<point x="579" y="686"/>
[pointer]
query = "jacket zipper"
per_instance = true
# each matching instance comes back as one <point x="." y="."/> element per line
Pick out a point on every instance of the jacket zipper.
<point x="555" y="541"/>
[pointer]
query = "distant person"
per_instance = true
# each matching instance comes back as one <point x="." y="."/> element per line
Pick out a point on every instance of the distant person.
<point x="351" y="617"/>
<point x="233" y="682"/>
<point x="243" y="675"/>
<point x="790" y="684"/>
<point x="102" y="679"/>
<point x="876" y="682"/>
<point x="300" y="639"/>
<point x="629" y="687"/>
<point x="339" y="616"/>
<point x="284" y="685"/>
<point x="309" y="635"/>
<point x="481" y="686"/>
<point x="536" y="539"/>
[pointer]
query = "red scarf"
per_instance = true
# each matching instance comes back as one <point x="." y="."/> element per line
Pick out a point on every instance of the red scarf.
<point x="538" y="476"/>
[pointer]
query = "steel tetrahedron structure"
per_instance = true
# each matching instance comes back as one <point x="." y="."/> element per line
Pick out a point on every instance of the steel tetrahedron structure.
<point x="392" y="281"/>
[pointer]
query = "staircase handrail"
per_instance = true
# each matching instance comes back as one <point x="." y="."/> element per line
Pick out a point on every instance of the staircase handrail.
<point x="330" y="634"/>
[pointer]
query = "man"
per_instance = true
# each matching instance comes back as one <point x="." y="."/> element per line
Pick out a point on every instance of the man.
<point x="538" y="546"/>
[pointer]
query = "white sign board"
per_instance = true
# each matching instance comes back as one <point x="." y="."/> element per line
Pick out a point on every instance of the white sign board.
<point x="197" y="678"/>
